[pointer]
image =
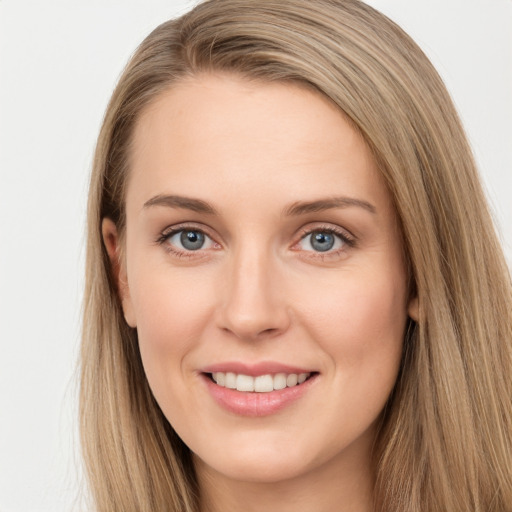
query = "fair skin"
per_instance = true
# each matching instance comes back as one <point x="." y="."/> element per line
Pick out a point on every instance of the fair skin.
<point x="261" y="239"/>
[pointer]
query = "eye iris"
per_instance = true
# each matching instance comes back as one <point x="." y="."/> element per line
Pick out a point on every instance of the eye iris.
<point x="321" y="241"/>
<point x="192" y="240"/>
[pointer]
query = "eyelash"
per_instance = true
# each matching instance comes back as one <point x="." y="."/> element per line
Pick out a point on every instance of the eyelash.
<point x="346" y="238"/>
<point x="169" y="232"/>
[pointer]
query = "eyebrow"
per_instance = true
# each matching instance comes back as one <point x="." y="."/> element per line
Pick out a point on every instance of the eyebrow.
<point x="295" y="209"/>
<point x="186" y="203"/>
<point x="301" y="208"/>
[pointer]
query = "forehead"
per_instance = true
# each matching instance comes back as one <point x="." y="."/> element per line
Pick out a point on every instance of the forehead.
<point x="279" y="138"/>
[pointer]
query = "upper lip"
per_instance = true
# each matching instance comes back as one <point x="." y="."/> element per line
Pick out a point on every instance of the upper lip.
<point x="262" y="368"/>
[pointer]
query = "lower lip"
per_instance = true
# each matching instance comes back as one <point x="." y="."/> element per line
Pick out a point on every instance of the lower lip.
<point x="256" y="404"/>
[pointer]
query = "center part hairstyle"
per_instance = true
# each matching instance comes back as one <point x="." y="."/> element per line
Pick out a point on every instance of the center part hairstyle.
<point x="445" y="440"/>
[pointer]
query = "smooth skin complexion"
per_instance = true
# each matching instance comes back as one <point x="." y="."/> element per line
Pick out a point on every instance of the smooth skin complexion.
<point x="261" y="240"/>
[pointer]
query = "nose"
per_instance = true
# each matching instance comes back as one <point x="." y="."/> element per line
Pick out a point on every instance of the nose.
<point x="253" y="303"/>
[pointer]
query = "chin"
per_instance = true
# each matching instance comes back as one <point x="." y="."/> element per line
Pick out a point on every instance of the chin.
<point x="264" y="470"/>
<point x="265" y="460"/>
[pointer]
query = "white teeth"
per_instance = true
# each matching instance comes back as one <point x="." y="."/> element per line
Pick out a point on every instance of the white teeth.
<point x="260" y="384"/>
<point x="244" y="383"/>
<point x="230" y="381"/>
<point x="292" y="380"/>
<point x="220" y="378"/>
<point x="302" y="377"/>
<point x="263" y="384"/>
<point x="279" y="381"/>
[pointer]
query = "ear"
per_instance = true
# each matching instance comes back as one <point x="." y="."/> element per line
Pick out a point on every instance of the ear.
<point x="413" y="308"/>
<point x="112" y="243"/>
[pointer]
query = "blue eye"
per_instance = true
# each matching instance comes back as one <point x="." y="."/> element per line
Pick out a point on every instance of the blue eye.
<point x="321" y="241"/>
<point x="192" y="240"/>
<point x="189" y="240"/>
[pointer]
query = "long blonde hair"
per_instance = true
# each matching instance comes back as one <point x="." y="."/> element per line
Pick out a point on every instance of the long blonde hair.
<point x="445" y="442"/>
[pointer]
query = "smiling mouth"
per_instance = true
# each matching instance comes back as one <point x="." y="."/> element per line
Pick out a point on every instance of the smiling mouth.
<point x="261" y="383"/>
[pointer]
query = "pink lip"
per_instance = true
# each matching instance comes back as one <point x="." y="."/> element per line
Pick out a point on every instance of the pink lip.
<point x="263" y="368"/>
<point x="254" y="404"/>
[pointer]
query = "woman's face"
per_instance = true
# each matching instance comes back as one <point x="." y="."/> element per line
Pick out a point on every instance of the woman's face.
<point x="262" y="249"/>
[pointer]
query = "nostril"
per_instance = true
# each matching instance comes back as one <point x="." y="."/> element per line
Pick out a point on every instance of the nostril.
<point x="268" y="332"/>
<point x="251" y="333"/>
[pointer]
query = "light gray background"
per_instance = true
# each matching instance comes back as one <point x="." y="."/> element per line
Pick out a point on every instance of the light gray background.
<point x="59" y="61"/>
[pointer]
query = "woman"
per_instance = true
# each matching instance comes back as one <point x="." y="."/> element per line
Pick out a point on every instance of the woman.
<point x="295" y="296"/>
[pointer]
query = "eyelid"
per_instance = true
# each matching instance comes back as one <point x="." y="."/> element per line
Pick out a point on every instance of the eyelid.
<point x="343" y="233"/>
<point x="170" y="231"/>
<point x="347" y="238"/>
<point x="184" y="226"/>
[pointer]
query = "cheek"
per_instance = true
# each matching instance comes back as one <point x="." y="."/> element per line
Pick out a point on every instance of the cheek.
<point x="359" y="321"/>
<point x="172" y="311"/>
<point x="169" y="303"/>
<point x="360" y="326"/>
